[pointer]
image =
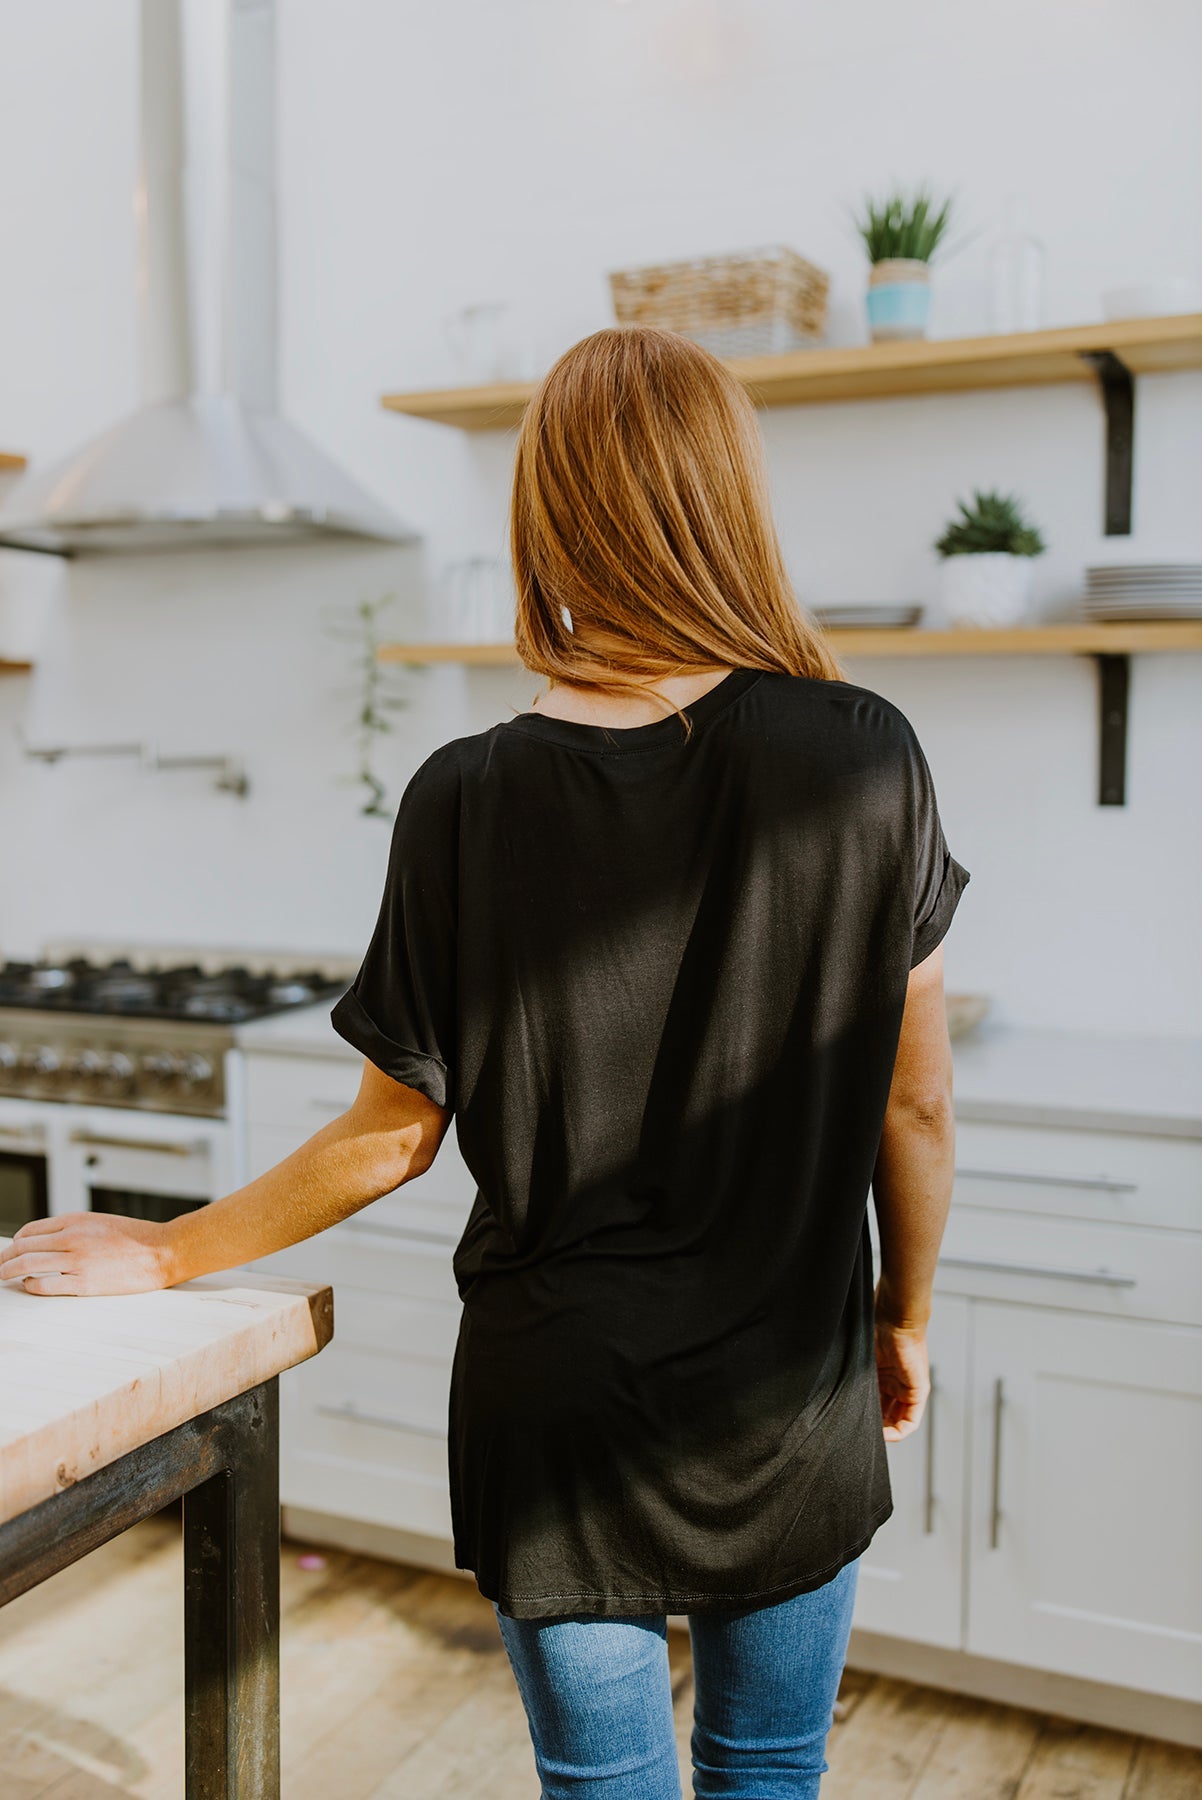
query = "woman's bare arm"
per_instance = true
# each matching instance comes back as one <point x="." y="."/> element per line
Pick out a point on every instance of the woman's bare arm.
<point x="912" y="1191"/>
<point x="390" y="1134"/>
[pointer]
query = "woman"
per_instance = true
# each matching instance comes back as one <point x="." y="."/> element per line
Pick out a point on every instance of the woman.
<point x="667" y="947"/>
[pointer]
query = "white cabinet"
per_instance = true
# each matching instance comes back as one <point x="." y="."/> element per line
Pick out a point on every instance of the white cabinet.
<point x="1046" y="1511"/>
<point x="1085" y="1553"/>
<point x="910" y="1577"/>
<point x="363" y="1426"/>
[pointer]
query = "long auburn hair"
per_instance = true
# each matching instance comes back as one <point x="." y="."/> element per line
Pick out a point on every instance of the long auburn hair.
<point x="641" y="508"/>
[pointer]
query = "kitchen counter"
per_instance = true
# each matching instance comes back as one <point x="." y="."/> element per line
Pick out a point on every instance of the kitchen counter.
<point x="1003" y="1074"/>
<point x="1069" y="1290"/>
<point x="85" y="1381"/>
<point x="110" y="1409"/>
<point x="1085" y="1080"/>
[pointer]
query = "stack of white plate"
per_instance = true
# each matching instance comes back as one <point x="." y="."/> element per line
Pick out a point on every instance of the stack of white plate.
<point x="1144" y="591"/>
<point x="861" y="615"/>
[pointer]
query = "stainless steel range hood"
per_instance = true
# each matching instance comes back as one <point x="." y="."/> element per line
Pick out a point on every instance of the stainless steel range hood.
<point x="206" y="459"/>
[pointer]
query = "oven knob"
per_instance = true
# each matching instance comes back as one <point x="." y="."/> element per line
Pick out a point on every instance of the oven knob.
<point x="197" y="1071"/>
<point x="160" y="1066"/>
<point x="117" y="1067"/>
<point x="88" y="1063"/>
<point x="8" y="1058"/>
<point x="41" y="1060"/>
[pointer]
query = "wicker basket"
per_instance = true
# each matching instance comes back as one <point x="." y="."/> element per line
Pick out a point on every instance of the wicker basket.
<point x="744" y="305"/>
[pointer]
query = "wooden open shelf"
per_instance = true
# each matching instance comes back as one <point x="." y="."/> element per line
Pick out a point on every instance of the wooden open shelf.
<point x="881" y="371"/>
<point x="1027" y="640"/>
<point x="15" y="668"/>
<point x="10" y="462"/>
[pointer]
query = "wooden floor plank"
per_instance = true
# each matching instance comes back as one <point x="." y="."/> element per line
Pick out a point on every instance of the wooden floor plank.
<point x="395" y="1683"/>
<point x="1077" y="1762"/>
<point x="74" y="1676"/>
<point x="1164" y="1772"/>
<point x="480" y="1747"/>
<point x="982" y="1752"/>
<point x="362" y="1750"/>
<point x="881" y="1746"/>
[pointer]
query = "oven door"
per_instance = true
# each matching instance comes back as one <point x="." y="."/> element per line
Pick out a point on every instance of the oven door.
<point x="143" y="1165"/>
<point x="24" y="1169"/>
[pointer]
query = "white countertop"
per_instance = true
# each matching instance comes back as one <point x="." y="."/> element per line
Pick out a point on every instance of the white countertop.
<point x="306" y="1031"/>
<point x="1092" y="1080"/>
<point x="84" y="1381"/>
<point x="1003" y="1073"/>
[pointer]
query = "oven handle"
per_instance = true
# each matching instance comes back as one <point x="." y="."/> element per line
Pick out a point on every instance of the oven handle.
<point x="31" y="1133"/>
<point x="163" y="1145"/>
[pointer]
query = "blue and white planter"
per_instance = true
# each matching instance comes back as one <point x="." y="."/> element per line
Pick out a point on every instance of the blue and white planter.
<point x="899" y="299"/>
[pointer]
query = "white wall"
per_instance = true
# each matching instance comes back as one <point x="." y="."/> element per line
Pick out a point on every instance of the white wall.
<point x="431" y="156"/>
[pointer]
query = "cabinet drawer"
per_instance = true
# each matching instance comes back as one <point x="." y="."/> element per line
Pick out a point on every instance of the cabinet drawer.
<point x="414" y="1210"/>
<point x="363" y="1434"/>
<point x="360" y="1468"/>
<point x="395" y="1325"/>
<point x="1122" y="1270"/>
<point x="405" y="1394"/>
<point x="1112" y="1177"/>
<point x="301" y="1093"/>
<point x="351" y="1256"/>
<point x="355" y="1438"/>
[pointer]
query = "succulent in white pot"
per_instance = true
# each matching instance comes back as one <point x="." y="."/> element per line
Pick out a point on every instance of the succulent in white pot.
<point x="901" y="233"/>
<point x="988" y="554"/>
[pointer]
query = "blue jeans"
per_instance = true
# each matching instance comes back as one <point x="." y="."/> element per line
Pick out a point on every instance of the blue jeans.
<point x="599" y="1701"/>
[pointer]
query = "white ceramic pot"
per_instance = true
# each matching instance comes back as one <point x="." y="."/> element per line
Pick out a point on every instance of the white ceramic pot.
<point x="993" y="589"/>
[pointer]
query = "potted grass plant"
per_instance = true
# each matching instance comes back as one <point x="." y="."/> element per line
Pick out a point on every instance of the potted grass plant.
<point x="987" y="553"/>
<point x="901" y="232"/>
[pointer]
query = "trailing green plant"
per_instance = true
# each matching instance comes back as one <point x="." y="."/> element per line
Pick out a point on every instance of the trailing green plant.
<point x="994" y="522"/>
<point x="376" y="697"/>
<point x="901" y="225"/>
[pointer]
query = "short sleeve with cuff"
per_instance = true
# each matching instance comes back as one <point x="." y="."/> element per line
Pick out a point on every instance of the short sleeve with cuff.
<point x="400" y="1010"/>
<point x="939" y="878"/>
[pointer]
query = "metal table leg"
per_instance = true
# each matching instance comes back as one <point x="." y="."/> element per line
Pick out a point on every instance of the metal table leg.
<point x="232" y="1616"/>
<point x="225" y="1464"/>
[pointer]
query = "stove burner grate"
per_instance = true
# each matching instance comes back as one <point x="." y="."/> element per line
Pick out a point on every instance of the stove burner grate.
<point x="185" y="991"/>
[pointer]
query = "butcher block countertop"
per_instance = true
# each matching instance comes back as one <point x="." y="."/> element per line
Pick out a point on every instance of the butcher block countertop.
<point x="85" y="1381"/>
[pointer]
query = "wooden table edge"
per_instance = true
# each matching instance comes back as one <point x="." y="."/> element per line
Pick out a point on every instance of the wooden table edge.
<point x="28" y="1476"/>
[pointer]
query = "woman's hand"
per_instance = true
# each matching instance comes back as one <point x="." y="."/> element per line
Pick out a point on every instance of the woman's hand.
<point x="88" y="1253"/>
<point x="903" y="1376"/>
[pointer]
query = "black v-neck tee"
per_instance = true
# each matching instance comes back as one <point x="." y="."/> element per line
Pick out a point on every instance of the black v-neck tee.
<point x="660" y="983"/>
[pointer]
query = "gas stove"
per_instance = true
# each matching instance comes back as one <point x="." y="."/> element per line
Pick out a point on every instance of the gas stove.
<point x="143" y="1029"/>
<point x="186" y="991"/>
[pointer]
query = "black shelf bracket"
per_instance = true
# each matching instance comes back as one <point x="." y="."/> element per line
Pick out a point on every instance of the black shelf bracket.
<point x="1118" y="398"/>
<point x="1114" y="680"/>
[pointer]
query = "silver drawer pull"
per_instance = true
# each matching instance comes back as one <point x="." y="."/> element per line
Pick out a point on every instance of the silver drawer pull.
<point x="1096" y="1277"/>
<point x="995" y="1494"/>
<point x="162" y="1146"/>
<point x="928" y="1499"/>
<point x="350" y="1411"/>
<point x="1102" y="1184"/>
<point x="24" y="1131"/>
